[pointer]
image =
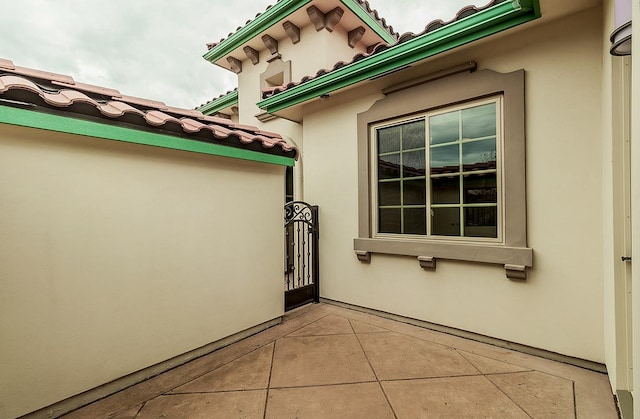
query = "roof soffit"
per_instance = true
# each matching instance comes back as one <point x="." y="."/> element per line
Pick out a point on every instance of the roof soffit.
<point x="498" y="16"/>
<point x="356" y="13"/>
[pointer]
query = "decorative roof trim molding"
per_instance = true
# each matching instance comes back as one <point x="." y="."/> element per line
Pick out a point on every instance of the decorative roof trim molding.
<point x="222" y="102"/>
<point x="279" y="12"/>
<point x="369" y="20"/>
<point x="58" y="123"/>
<point x="500" y="17"/>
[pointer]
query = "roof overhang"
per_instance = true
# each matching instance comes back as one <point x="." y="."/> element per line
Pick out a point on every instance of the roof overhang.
<point x="220" y="104"/>
<point x="270" y="22"/>
<point x="492" y="20"/>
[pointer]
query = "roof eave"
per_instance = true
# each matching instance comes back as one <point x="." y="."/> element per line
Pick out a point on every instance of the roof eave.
<point x="278" y="12"/>
<point x="218" y="104"/>
<point x="490" y="21"/>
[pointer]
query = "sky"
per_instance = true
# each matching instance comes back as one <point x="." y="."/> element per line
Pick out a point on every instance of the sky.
<point x="153" y="48"/>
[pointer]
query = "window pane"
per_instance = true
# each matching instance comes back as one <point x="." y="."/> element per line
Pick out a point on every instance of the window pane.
<point x="415" y="192"/>
<point x="479" y="155"/>
<point x="415" y="221"/>
<point x="479" y="121"/>
<point x="389" y="139"/>
<point x="389" y="193"/>
<point x="389" y="220"/>
<point x="480" y="189"/>
<point x="445" y="159"/>
<point x="445" y="190"/>
<point x="413" y="135"/>
<point x="445" y="221"/>
<point x="444" y="128"/>
<point x="413" y="163"/>
<point x="481" y="222"/>
<point x="389" y="166"/>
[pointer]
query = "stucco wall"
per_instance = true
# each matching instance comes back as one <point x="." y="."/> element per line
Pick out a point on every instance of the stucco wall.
<point x="560" y="306"/>
<point x="115" y="257"/>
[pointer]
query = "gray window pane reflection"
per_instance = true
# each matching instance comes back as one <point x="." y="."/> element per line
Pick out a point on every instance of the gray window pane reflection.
<point x="415" y="192"/>
<point x="444" y="128"/>
<point x="445" y="221"/>
<point x="479" y="155"/>
<point x="413" y="163"/>
<point x="413" y="135"/>
<point x="445" y="190"/>
<point x="389" y="139"/>
<point x="389" y="193"/>
<point x="390" y="220"/>
<point x="389" y="166"/>
<point x="445" y="159"/>
<point x="415" y="221"/>
<point x="481" y="222"/>
<point x="480" y="189"/>
<point x="479" y="121"/>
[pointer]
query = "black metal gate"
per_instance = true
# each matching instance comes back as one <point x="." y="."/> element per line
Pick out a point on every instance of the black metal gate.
<point x="301" y="267"/>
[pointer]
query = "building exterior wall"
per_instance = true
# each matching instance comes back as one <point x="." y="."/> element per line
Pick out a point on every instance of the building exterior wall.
<point x="560" y="306"/>
<point x="116" y="257"/>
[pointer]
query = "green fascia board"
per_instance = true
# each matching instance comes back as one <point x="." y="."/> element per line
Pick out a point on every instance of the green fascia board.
<point x="369" y="20"/>
<point x="495" y="19"/>
<point x="275" y="14"/>
<point x="230" y="99"/>
<point x="50" y="122"/>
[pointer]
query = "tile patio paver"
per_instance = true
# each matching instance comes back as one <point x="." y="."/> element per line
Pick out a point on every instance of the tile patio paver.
<point x="325" y="361"/>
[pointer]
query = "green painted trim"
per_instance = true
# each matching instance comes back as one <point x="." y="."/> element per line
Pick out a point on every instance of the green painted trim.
<point x="370" y="21"/>
<point x="270" y="17"/>
<point x="33" y="119"/>
<point x="217" y="104"/>
<point x="472" y="28"/>
<point x="276" y="13"/>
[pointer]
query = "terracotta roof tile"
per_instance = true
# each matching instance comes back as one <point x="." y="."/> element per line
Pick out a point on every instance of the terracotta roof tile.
<point x="431" y="26"/>
<point x="217" y="97"/>
<point x="45" y="90"/>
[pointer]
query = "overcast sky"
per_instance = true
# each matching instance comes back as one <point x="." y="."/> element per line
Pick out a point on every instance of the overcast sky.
<point x="153" y="48"/>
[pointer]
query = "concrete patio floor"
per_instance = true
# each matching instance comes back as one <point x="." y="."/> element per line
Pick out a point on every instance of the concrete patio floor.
<point x="325" y="361"/>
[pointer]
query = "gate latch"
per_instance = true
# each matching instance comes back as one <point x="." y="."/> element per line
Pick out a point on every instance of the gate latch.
<point x="626" y="258"/>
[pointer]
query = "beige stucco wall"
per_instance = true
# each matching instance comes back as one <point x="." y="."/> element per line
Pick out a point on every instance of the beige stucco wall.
<point x="115" y="257"/>
<point x="560" y="306"/>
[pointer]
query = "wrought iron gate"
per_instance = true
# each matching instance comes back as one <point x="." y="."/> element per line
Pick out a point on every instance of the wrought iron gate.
<point x="301" y="267"/>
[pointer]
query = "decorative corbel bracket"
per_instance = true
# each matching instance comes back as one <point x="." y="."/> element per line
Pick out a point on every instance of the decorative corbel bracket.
<point x="236" y="64"/>
<point x="355" y="36"/>
<point x="363" y="256"/>
<point x="271" y="44"/>
<point x="516" y="271"/>
<point x="428" y="263"/>
<point x="316" y="17"/>
<point x="292" y="31"/>
<point x="332" y="18"/>
<point x="252" y="54"/>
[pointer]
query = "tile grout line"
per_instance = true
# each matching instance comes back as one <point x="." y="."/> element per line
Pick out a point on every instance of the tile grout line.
<point x="507" y="396"/>
<point x="266" y="399"/>
<point x="575" y="403"/>
<point x="372" y="369"/>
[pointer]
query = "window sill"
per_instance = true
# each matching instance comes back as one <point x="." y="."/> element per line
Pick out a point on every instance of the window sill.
<point x="515" y="259"/>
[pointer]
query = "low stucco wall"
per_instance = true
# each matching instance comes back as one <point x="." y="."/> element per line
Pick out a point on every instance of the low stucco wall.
<point x="560" y="306"/>
<point x="115" y="257"/>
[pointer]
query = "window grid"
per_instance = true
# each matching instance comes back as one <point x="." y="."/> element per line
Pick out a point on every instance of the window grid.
<point x="461" y="174"/>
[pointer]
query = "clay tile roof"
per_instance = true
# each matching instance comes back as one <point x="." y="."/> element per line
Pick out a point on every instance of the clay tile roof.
<point x="364" y="3"/>
<point x="50" y="92"/>
<point x="408" y="36"/>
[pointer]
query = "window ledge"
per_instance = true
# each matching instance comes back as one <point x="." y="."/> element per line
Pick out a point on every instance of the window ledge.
<point x="485" y="253"/>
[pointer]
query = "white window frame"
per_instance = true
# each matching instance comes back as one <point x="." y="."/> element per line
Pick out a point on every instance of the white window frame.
<point x="499" y="174"/>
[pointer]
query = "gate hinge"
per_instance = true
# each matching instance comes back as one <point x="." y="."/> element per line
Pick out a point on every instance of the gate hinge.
<point x="626" y="258"/>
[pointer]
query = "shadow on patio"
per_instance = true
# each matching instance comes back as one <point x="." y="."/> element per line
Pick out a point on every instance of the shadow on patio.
<point x="325" y="361"/>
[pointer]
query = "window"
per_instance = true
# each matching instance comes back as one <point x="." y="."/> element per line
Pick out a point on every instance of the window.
<point x="437" y="174"/>
<point x="441" y="171"/>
